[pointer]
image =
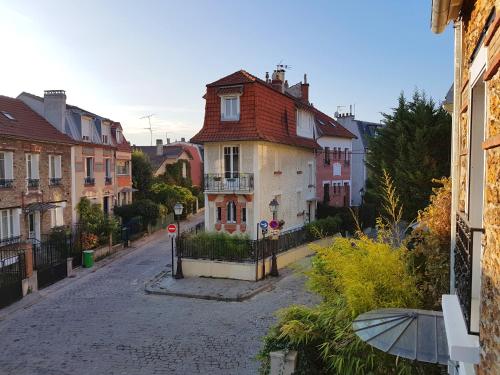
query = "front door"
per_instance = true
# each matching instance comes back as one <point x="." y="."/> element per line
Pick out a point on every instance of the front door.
<point x="34" y="225"/>
<point x="231" y="167"/>
<point x="105" y="205"/>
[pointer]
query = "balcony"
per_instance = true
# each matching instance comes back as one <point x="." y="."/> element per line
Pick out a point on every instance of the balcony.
<point x="33" y="183"/>
<point x="9" y="240"/>
<point x="108" y="180"/>
<point x="464" y="255"/>
<point x="55" y="181"/>
<point x="228" y="182"/>
<point x="89" y="181"/>
<point x="6" y="183"/>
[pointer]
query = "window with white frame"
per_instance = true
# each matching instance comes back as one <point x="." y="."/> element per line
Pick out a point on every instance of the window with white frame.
<point x="32" y="166"/>
<point x="54" y="167"/>
<point x="337" y="169"/>
<point x="89" y="167"/>
<point x="230" y="108"/>
<point x="123" y="168"/>
<point x="7" y="224"/>
<point x="218" y="214"/>
<point x="106" y="133"/>
<point x="6" y="167"/>
<point x="57" y="217"/>
<point x="86" y="129"/>
<point x="231" y="212"/>
<point x="231" y="162"/>
<point x="118" y="136"/>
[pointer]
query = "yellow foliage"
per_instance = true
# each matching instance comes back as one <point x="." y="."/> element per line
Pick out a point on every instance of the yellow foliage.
<point x="366" y="273"/>
<point x="436" y="217"/>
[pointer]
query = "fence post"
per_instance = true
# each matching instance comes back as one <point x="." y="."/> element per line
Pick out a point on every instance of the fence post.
<point x="30" y="282"/>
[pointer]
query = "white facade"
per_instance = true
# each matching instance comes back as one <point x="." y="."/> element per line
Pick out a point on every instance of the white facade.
<point x="278" y="171"/>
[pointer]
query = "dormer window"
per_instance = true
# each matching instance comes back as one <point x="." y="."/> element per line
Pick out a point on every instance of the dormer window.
<point x="118" y="136"/>
<point x="86" y="129"/>
<point x="106" y="133"/>
<point x="230" y="108"/>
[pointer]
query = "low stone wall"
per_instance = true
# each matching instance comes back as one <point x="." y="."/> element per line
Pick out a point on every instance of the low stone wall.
<point x="246" y="271"/>
<point x="105" y="251"/>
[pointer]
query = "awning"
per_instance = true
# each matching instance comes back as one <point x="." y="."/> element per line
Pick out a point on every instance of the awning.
<point x="128" y="190"/>
<point x="409" y="333"/>
<point x="39" y="206"/>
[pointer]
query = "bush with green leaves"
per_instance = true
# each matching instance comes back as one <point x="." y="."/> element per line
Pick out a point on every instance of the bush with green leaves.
<point x="219" y="245"/>
<point x="145" y="209"/>
<point x="169" y="195"/>
<point x="324" y="227"/>
<point x="94" y="221"/>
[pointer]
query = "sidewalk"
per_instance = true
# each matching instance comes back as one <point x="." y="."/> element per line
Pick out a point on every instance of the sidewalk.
<point x="228" y="290"/>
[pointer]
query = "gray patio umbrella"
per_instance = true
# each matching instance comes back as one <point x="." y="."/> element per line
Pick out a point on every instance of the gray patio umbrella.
<point x="409" y="333"/>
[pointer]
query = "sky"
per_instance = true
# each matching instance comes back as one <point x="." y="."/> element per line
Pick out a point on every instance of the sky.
<point x="127" y="59"/>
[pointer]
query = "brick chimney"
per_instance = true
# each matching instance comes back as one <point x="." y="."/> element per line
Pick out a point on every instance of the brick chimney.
<point x="54" y="108"/>
<point x="305" y="90"/>
<point x="278" y="80"/>
<point x="183" y="139"/>
<point x="159" y="147"/>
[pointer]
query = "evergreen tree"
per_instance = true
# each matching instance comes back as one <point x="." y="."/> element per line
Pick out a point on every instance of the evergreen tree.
<point x="414" y="148"/>
<point x="142" y="174"/>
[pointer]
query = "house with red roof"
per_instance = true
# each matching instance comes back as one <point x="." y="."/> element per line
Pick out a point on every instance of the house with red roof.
<point x="101" y="157"/>
<point x="35" y="174"/>
<point x="260" y="145"/>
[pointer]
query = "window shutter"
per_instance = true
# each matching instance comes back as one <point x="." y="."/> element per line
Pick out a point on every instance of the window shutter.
<point x="34" y="165"/>
<point x="9" y="168"/>
<point x="58" y="162"/>
<point x="16" y="222"/>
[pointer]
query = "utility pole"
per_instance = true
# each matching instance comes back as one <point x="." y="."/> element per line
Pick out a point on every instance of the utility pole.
<point x="150" y="128"/>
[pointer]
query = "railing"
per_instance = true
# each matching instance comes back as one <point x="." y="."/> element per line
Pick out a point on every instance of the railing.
<point x="55" y="181"/>
<point x="10" y="240"/>
<point x="33" y="182"/>
<point x="238" y="249"/>
<point x="89" y="181"/>
<point x="108" y="180"/>
<point x="6" y="183"/>
<point x="463" y="267"/>
<point x="220" y="182"/>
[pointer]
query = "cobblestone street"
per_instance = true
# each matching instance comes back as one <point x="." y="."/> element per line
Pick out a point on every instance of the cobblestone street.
<point x="103" y="323"/>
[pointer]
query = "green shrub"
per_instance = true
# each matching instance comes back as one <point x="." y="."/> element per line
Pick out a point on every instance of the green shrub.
<point x="324" y="227"/>
<point x="218" y="246"/>
<point x="145" y="209"/>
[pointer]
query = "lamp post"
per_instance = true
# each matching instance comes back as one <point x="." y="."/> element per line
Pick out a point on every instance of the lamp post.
<point x="178" y="208"/>
<point x="273" y="206"/>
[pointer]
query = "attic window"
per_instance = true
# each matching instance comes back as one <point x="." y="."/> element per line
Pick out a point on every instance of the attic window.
<point x="8" y="115"/>
<point x="321" y="122"/>
<point x="333" y="124"/>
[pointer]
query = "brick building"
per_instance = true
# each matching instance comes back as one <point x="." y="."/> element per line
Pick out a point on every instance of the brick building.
<point x="101" y="156"/>
<point x="472" y="310"/>
<point x="333" y="162"/>
<point x="35" y="174"/>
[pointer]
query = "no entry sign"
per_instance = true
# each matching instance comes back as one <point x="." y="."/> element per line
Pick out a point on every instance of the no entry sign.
<point x="172" y="228"/>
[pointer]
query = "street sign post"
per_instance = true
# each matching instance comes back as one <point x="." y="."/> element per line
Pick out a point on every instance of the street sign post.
<point x="172" y="229"/>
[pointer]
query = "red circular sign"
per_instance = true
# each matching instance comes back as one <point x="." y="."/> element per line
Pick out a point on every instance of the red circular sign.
<point x="172" y="228"/>
<point x="274" y="224"/>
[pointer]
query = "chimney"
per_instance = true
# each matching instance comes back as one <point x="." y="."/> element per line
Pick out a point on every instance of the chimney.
<point x="159" y="147"/>
<point x="183" y="139"/>
<point x="168" y="141"/>
<point x="54" y="108"/>
<point x="278" y="80"/>
<point x="304" y="87"/>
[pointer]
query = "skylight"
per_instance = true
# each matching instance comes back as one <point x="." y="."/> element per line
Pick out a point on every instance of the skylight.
<point x="321" y="122"/>
<point x="331" y="122"/>
<point x="8" y="115"/>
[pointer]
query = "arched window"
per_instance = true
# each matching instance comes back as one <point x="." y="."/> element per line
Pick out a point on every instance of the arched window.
<point x="231" y="212"/>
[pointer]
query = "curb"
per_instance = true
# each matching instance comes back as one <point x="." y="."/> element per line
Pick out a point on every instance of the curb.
<point x="150" y="289"/>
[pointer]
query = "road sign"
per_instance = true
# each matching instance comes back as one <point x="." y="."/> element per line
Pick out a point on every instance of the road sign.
<point x="263" y="224"/>
<point x="274" y="224"/>
<point x="172" y="228"/>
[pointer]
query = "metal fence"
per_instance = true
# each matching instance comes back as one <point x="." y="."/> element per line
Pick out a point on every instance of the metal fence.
<point x="12" y="271"/>
<point x="234" y="249"/>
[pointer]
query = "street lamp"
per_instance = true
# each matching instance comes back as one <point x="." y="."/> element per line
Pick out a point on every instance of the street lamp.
<point x="273" y="206"/>
<point x="178" y="208"/>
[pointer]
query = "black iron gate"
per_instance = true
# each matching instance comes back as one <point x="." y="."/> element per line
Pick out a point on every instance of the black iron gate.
<point x="50" y="262"/>
<point x="12" y="271"/>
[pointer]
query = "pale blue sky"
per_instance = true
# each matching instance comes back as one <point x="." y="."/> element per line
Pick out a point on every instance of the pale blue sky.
<point x="125" y="59"/>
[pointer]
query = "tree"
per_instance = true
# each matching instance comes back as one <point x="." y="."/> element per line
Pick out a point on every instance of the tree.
<point x="146" y="209"/>
<point x="169" y="195"/>
<point x="142" y="174"/>
<point x="414" y="148"/>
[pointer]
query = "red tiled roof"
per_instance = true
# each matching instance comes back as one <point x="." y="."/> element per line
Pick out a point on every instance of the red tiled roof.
<point x="236" y="78"/>
<point x="27" y="124"/>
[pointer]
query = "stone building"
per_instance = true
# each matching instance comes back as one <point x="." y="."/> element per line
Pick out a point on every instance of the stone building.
<point x="472" y="310"/>
<point x="259" y="146"/>
<point x="35" y="174"/>
<point x="101" y="156"/>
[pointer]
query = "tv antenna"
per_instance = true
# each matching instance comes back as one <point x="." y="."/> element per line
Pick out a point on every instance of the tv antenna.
<point x="150" y="127"/>
<point x="281" y="66"/>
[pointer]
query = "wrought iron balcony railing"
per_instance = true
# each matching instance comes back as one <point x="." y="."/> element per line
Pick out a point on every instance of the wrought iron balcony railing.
<point x="55" y="181"/>
<point x="89" y="181"/>
<point x="9" y="240"/>
<point x="464" y="250"/>
<point x="108" y="180"/>
<point x="230" y="182"/>
<point x="6" y="183"/>
<point x="33" y="182"/>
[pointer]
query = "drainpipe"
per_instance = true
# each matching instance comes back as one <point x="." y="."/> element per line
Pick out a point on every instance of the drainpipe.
<point x="442" y="12"/>
<point x="455" y="146"/>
